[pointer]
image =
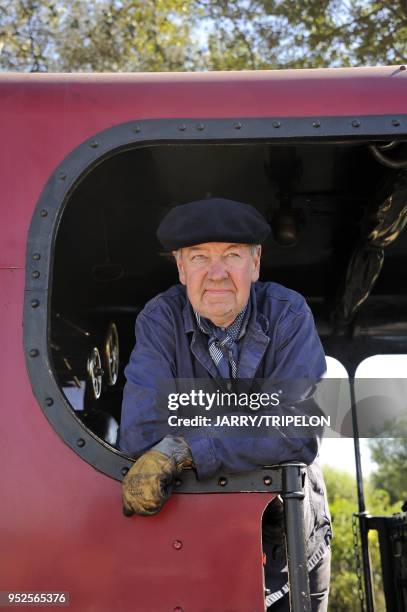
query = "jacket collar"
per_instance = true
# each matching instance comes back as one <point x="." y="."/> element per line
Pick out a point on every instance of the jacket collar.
<point x="255" y="341"/>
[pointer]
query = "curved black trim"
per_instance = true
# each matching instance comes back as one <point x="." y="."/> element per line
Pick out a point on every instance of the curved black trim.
<point x="50" y="207"/>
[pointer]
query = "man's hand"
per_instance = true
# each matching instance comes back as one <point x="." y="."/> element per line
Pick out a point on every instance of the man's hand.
<point x="148" y="483"/>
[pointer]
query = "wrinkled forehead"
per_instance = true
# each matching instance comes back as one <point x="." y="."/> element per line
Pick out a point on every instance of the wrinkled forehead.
<point x="216" y="247"/>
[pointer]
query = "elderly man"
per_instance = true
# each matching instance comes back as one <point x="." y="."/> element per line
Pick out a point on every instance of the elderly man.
<point x="222" y="324"/>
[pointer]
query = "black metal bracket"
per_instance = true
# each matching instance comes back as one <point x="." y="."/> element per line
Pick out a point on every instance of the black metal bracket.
<point x="293" y="480"/>
<point x="392" y="532"/>
<point x="266" y="480"/>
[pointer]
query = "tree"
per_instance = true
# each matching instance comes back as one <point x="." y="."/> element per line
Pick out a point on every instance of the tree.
<point x="342" y="33"/>
<point x="131" y="36"/>
<point x="390" y="455"/>
<point x="341" y="488"/>
<point x="26" y="28"/>
<point x="107" y="35"/>
<point x="136" y="35"/>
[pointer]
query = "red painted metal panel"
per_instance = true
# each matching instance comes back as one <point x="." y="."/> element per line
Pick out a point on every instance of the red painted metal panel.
<point x="61" y="523"/>
<point x="45" y="116"/>
<point x="62" y="529"/>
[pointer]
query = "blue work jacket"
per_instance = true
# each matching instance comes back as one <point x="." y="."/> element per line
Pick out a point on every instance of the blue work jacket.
<point x="280" y="343"/>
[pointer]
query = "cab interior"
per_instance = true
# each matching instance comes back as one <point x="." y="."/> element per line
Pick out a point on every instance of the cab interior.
<point x="319" y="198"/>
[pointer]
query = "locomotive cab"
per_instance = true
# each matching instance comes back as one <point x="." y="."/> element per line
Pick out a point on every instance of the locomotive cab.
<point x="322" y="154"/>
<point x="318" y="196"/>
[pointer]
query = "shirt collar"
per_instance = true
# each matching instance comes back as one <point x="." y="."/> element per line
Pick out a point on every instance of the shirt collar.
<point x="235" y="330"/>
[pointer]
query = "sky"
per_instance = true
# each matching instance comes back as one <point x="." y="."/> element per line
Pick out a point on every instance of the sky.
<point x="340" y="453"/>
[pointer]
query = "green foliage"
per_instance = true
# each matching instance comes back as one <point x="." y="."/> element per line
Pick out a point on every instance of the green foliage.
<point x="342" y="502"/>
<point x="26" y="27"/>
<point x="106" y="35"/>
<point x="390" y="454"/>
<point x="342" y="497"/>
<point x="341" y="33"/>
<point x="136" y="35"/>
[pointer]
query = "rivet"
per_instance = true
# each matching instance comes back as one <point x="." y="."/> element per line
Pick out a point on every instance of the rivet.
<point x="36" y="256"/>
<point x="35" y="303"/>
<point x="355" y="123"/>
<point x="395" y="122"/>
<point x="49" y="401"/>
<point x="267" y="480"/>
<point x="222" y="482"/>
<point x="200" y="127"/>
<point x="80" y="442"/>
<point x="124" y="471"/>
<point x="237" y="125"/>
<point x="402" y="67"/>
<point x="177" y="544"/>
<point x="316" y="124"/>
<point x="94" y="144"/>
<point x="178" y="482"/>
<point x="44" y="213"/>
<point x="276" y="124"/>
<point x="35" y="274"/>
<point x="34" y="353"/>
<point x="62" y="176"/>
<point x="136" y="129"/>
<point x="182" y="127"/>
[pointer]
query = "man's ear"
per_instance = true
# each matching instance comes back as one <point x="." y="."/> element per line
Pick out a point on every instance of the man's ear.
<point x="256" y="264"/>
<point x="180" y="266"/>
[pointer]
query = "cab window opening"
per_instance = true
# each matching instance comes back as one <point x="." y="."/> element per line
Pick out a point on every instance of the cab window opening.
<point x="108" y="262"/>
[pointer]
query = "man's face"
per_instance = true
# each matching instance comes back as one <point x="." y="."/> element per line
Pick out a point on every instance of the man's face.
<point x="218" y="276"/>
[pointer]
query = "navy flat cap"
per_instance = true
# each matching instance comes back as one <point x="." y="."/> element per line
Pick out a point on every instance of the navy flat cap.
<point x="212" y="220"/>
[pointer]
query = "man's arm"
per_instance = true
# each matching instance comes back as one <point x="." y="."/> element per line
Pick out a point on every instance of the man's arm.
<point x="148" y="483"/>
<point x="152" y="363"/>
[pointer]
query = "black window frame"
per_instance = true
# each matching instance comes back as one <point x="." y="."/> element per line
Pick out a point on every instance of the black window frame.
<point x="48" y="213"/>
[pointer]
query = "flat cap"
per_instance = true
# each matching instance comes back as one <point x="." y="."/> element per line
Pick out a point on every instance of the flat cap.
<point x="212" y="220"/>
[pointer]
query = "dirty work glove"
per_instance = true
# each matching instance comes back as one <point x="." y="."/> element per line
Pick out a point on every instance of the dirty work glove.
<point x="148" y="483"/>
